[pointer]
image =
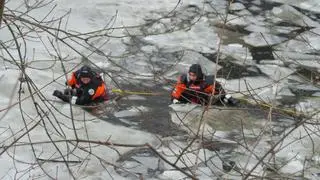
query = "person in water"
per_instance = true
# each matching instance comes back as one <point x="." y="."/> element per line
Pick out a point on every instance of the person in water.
<point x="195" y="87"/>
<point x="85" y="87"/>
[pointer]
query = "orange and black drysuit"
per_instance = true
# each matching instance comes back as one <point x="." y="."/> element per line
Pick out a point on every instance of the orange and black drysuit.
<point x="94" y="91"/>
<point x="198" y="91"/>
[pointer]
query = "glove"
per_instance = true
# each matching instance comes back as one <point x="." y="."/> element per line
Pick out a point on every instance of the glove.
<point x="67" y="92"/>
<point x="230" y="100"/>
<point x="175" y="101"/>
<point x="70" y="92"/>
<point x="57" y="93"/>
<point x="74" y="99"/>
<point x="233" y="101"/>
<point x="61" y="96"/>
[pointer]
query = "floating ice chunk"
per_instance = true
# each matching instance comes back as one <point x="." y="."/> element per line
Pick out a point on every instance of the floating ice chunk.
<point x="317" y="94"/>
<point x="103" y="64"/>
<point x="256" y="2"/>
<point x="293" y="167"/>
<point x="236" y="6"/>
<point x="269" y="94"/>
<point x="295" y="45"/>
<point x="205" y="173"/>
<point x="264" y="88"/>
<point x="185" y="107"/>
<point x="285" y="91"/>
<point x="247" y="163"/>
<point x="149" y="49"/>
<point x="256" y="28"/>
<point x="201" y="37"/>
<point x="307" y="42"/>
<point x="299" y="146"/>
<point x="215" y="164"/>
<point x="188" y="159"/>
<point x="304" y="107"/>
<point x="256" y="83"/>
<point x="219" y="6"/>
<point x="255" y="8"/>
<point x="172" y="175"/>
<point x="145" y="166"/>
<point x="262" y="39"/>
<point x="270" y="29"/>
<point x="276" y="72"/>
<point x="134" y="111"/>
<point x="218" y="121"/>
<point x="138" y="64"/>
<point x="245" y="19"/>
<point x="282" y="29"/>
<point x="309" y="5"/>
<point x="304" y="89"/>
<point x="149" y="162"/>
<point x="136" y="97"/>
<point x="237" y="20"/>
<point x="273" y="62"/>
<point x="241" y="54"/>
<point x="133" y="123"/>
<point x="294" y="56"/>
<point x="244" y="12"/>
<point x="130" y="164"/>
<point x="290" y="14"/>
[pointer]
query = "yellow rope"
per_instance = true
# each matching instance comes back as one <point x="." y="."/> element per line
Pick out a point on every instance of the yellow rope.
<point x="288" y="111"/>
<point x="122" y="92"/>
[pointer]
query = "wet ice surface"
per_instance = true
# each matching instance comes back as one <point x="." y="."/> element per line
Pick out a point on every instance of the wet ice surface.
<point x="287" y="78"/>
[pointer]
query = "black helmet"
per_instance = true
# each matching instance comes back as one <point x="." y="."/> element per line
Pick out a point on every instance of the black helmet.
<point x="196" y="68"/>
<point x="85" y="71"/>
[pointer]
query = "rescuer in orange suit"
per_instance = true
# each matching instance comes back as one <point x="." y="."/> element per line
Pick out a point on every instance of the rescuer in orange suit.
<point x="195" y="87"/>
<point x="85" y="87"/>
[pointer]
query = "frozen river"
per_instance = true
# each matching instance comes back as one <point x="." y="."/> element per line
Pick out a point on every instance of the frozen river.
<point x="265" y="52"/>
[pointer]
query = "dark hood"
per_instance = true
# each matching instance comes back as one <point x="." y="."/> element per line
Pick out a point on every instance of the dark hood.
<point x="85" y="71"/>
<point x="196" y="68"/>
